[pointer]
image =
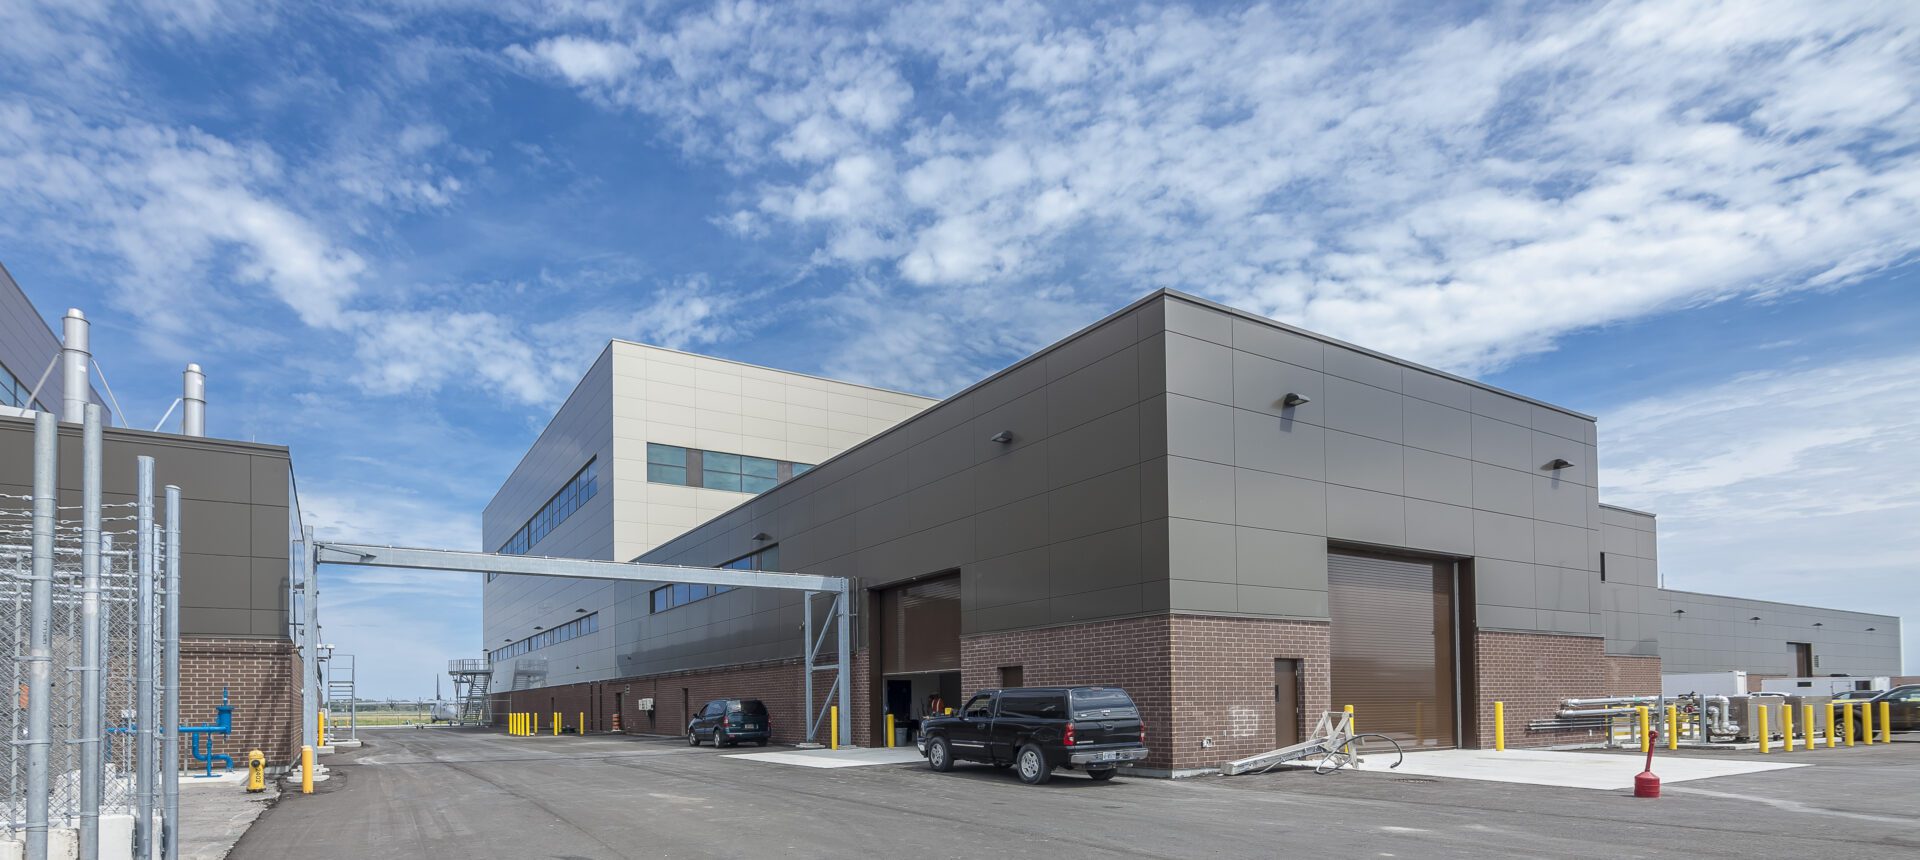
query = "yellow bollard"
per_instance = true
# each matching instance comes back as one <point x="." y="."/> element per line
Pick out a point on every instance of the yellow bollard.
<point x="321" y="739"/>
<point x="556" y="724"/>
<point x="533" y="728"/>
<point x="513" y="725"/>
<point x="1786" y="725"/>
<point x="256" y="770"/>
<point x="1351" y="722"/>
<point x="1499" y="726"/>
<point x="1646" y="727"/>
<point x="1807" y="727"/>
<point x="1766" y="737"/>
<point x="306" y="770"/>
<point x="889" y="731"/>
<point x="1886" y="723"/>
<point x="1833" y="723"/>
<point x="1847" y="711"/>
<point x="1673" y="727"/>
<point x="582" y="725"/>
<point x="1866" y="722"/>
<point x="833" y="727"/>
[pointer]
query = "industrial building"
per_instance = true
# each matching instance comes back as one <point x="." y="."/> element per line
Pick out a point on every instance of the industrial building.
<point x="1241" y="522"/>
<point x="240" y="513"/>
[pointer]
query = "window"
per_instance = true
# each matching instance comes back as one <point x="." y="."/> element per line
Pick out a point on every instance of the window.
<point x="979" y="707"/>
<point x="584" y="485"/>
<point x="14" y="392"/>
<point x="680" y="593"/>
<point x="715" y="470"/>
<point x="571" y="630"/>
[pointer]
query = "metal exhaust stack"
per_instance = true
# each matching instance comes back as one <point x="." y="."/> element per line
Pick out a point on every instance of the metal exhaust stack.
<point x="193" y="396"/>
<point x="74" y="360"/>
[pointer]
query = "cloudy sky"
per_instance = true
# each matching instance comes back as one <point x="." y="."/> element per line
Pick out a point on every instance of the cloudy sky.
<point x="396" y="233"/>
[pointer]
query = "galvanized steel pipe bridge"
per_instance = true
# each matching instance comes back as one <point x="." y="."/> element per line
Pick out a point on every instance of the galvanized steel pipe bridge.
<point x="334" y="552"/>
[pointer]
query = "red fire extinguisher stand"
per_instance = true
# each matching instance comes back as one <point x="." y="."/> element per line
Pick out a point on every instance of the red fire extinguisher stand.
<point x="1646" y="783"/>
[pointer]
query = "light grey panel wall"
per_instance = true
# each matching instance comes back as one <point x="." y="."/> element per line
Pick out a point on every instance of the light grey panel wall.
<point x="1633" y="613"/>
<point x="1065" y="523"/>
<point x="1713" y="633"/>
<point x="513" y="606"/>
<point x="1384" y="454"/>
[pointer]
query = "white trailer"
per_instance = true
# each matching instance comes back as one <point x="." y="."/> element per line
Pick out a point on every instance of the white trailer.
<point x="1824" y="686"/>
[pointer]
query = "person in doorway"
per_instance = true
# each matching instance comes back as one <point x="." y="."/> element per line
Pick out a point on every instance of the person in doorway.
<point x="935" y="705"/>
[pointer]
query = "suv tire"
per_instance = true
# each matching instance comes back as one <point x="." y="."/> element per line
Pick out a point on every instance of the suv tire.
<point x="1102" y="775"/>
<point x="693" y="740"/>
<point x="939" y="755"/>
<point x="1032" y="765"/>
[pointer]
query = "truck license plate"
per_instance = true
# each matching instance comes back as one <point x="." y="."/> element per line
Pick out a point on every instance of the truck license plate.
<point x="1109" y="756"/>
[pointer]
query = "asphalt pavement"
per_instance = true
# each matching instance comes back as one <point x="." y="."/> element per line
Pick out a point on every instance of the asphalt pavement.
<point x="480" y="794"/>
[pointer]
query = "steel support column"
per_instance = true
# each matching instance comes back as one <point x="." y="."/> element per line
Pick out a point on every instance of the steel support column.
<point x="39" y="650"/>
<point x="170" y="701"/>
<point x="91" y="624"/>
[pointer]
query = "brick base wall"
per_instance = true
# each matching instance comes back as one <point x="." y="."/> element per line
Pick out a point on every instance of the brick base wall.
<point x="1531" y="673"/>
<point x="261" y="681"/>
<point x="778" y="684"/>
<point x="1134" y="653"/>
<point x="1633" y="676"/>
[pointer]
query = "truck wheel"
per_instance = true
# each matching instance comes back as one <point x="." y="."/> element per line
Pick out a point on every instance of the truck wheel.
<point x="1102" y="775"/>
<point x="1034" y="769"/>
<point x="939" y="755"/>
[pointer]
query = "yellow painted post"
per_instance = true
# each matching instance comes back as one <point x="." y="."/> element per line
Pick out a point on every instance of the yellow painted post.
<point x="1833" y="721"/>
<point x="1351" y="722"/>
<point x="1786" y="725"/>
<point x="1847" y="710"/>
<point x="1807" y="725"/>
<point x="306" y="770"/>
<point x="1766" y="736"/>
<point x="1886" y="723"/>
<point x="581" y="726"/>
<point x="833" y="728"/>
<point x="1646" y="727"/>
<point x="321" y="739"/>
<point x="1673" y="727"/>
<point x="556" y="724"/>
<point x="513" y="727"/>
<point x="1866" y="722"/>
<point x="889" y="731"/>
<point x="1499" y="726"/>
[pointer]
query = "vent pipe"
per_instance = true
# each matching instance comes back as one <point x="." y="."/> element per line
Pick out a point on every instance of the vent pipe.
<point x="74" y="360"/>
<point x="193" y="396"/>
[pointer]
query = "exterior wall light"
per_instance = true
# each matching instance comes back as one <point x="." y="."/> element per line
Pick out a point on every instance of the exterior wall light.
<point x="1557" y="464"/>
<point x="538" y="627"/>
<point x="1754" y="618"/>
<point x="1293" y="399"/>
<point x="1871" y="629"/>
<point x="1679" y="612"/>
<point x="1002" y="437"/>
<point x="761" y="536"/>
<point x="1823" y="624"/>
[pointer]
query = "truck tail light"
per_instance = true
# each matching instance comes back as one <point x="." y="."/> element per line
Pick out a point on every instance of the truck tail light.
<point x="1068" y="740"/>
<point x="1143" y="732"/>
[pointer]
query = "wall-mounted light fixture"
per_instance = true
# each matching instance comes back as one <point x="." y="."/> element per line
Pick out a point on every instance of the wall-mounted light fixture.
<point x="1294" y="399"/>
<point x="579" y="610"/>
<point x="1679" y="612"/>
<point x="1556" y="464"/>
<point x="1819" y="624"/>
<point x="538" y="627"/>
<point x="1002" y="437"/>
<point x="762" y="536"/>
<point x="1754" y="618"/>
<point x="1871" y="629"/>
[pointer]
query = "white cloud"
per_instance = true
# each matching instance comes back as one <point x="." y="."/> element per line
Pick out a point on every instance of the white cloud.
<point x="1791" y="485"/>
<point x="581" y="61"/>
<point x="1457" y="190"/>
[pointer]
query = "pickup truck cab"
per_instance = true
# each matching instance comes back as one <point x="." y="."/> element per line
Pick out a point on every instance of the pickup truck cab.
<point x="1038" y="729"/>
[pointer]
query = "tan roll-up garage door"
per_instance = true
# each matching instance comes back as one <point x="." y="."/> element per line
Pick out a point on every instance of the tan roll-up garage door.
<point x="1392" y="645"/>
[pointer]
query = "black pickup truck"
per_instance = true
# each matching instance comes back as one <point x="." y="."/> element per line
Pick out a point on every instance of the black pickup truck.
<point x="1039" y="729"/>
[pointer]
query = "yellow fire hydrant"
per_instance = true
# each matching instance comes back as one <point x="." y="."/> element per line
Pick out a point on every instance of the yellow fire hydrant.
<point x="256" y="770"/>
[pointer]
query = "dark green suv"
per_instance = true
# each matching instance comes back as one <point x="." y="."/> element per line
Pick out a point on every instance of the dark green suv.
<point x="730" y="721"/>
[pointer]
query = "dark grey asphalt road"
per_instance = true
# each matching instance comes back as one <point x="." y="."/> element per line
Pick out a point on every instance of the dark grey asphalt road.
<point x="458" y="794"/>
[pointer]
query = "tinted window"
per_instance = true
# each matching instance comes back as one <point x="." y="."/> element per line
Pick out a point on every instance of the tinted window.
<point x="1113" y="700"/>
<point x="752" y="706"/>
<point x="1033" y="706"/>
<point x="980" y="706"/>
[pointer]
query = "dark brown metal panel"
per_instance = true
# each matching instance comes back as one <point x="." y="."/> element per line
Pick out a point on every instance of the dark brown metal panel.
<point x="922" y="626"/>
<point x="1392" y="645"/>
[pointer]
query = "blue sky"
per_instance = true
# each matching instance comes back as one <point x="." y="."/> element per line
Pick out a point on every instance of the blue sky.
<point x="395" y="233"/>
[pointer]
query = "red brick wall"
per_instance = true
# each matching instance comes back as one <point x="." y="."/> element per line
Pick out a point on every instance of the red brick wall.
<point x="776" y="683"/>
<point x="1133" y="653"/>
<point x="1633" y="676"/>
<point x="261" y="682"/>
<point x="1531" y="673"/>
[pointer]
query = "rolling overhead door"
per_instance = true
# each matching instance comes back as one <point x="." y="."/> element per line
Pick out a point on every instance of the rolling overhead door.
<point x="1392" y="646"/>
<point x="920" y="624"/>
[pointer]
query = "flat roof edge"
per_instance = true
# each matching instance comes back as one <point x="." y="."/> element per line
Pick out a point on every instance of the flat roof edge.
<point x="1630" y="510"/>
<point x="158" y="437"/>
<point x="1894" y="618"/>
<point x="1294" y="329"/>
<point x="625" y="342"/>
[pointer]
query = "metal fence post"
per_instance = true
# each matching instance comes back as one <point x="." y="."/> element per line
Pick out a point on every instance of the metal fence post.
<point x="91" y="624"/>
<point x="39" y="656"/>
<point x="170" y="719"/>
<point x="143" y="715"/>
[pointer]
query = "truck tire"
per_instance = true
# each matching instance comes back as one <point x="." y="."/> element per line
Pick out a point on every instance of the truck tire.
<point x="1102" y="775"/>
<point x="1032" y="765"/>
<point x="939" y="755"/>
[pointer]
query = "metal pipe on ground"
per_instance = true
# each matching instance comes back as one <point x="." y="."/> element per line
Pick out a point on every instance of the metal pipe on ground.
<point x="39" y="656"/>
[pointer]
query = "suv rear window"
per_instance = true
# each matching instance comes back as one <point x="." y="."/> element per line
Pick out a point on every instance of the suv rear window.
<point x="746" y="706"/>
<point x="1101" y="700"/>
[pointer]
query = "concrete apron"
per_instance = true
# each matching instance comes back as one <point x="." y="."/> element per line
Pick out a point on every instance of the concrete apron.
<point x="1554" y="768"/>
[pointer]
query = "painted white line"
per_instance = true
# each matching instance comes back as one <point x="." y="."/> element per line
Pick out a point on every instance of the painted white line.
<point x="1793" y="806"/>
<point x="833" y="758"/>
